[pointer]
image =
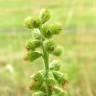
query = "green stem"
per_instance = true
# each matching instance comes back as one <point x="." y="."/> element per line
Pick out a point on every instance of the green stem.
<point x="46" y="61"/>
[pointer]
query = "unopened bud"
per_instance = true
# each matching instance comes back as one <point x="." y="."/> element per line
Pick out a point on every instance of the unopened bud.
<point x="55" y="28"/>
<point x="44" y="15"/>
<point x="59" y="76"/>
<point x="31" y="56"/>
<point x="37" y="80"/>
<point x="39" y="76"/>
<point x="33" y="44"/>
<point x="39" y="93"/>
<point x="55" y="65"/>
<point x="36" y="34"/>
<point x="32" y="22"/>
<point x="46" y="31"/>
<point x="49" y="45"/>
<point x="58" y="51"/>
<point x="59" y="91"/>
<point x="51" y="82"/>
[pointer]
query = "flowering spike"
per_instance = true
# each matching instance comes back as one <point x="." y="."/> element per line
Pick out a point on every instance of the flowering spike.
<point x="49" y="81"/>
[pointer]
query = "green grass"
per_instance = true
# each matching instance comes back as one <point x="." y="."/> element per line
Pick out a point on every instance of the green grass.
<point x="78" y="40"/>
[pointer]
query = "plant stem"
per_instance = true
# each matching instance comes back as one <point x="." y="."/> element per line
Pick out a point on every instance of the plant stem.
<point x="46" y="61"/>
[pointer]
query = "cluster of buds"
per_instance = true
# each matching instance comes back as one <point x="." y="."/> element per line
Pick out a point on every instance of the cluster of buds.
<point x="49" y="81"/>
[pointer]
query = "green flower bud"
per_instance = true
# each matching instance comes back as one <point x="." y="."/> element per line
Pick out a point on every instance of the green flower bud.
<point x="33" y="44"/>
<point x="39" y="93"/>
<point x="59" y="91"/>
<point x="37" y="80"/>
<point x="51" y="82"/>
<point x="49" y="45"/>
<point x="57" y="51"/>
<point x="55" y="28"/>
<point x="59" y="76"/>
<point x="36" y="34"/>
<point x="64" y="83"/>
<point x="45" y="15"/>
<point x="39" y="76"/>
<point x="31" y="56"/>
<point x="35" y="85"/>
<point x="32" y="22"/>
<point x="46" y="31"/>
<point x="55" y="65"/>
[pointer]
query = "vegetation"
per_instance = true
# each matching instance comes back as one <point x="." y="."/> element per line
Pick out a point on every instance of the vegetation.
<point x="78" y="40"/>
<point x="45" y="82"/>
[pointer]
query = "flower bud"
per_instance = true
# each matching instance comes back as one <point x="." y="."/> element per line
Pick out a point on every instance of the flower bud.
<point x="59" y="91"/>
<point x="33" y="44"/>
<point x="55" y="28"/>
<point x="64" y="83"/>
<point x="39" y="76"/>
<point x="55" y="65"/>
<point x="35" y="85"/>
<point x="31" y="56"/>
<point x="32" y="22"/>
<point x="36" y="34"/>
<point x="44" y="15"/>
<point x="57" y="51"/>
<point x="58" y="76"/>
<point x="46" y="31"/>
<point x="39" y="93"/>
<point x="51" y="82"/>
<point x="37" y="80"/>
<point x="49" y="45"/>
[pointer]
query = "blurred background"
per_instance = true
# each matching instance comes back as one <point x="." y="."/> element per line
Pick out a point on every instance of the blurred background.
<point x="78" y="39"/>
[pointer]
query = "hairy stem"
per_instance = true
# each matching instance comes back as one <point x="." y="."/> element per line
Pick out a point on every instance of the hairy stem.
<point x="46" y="61"/>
